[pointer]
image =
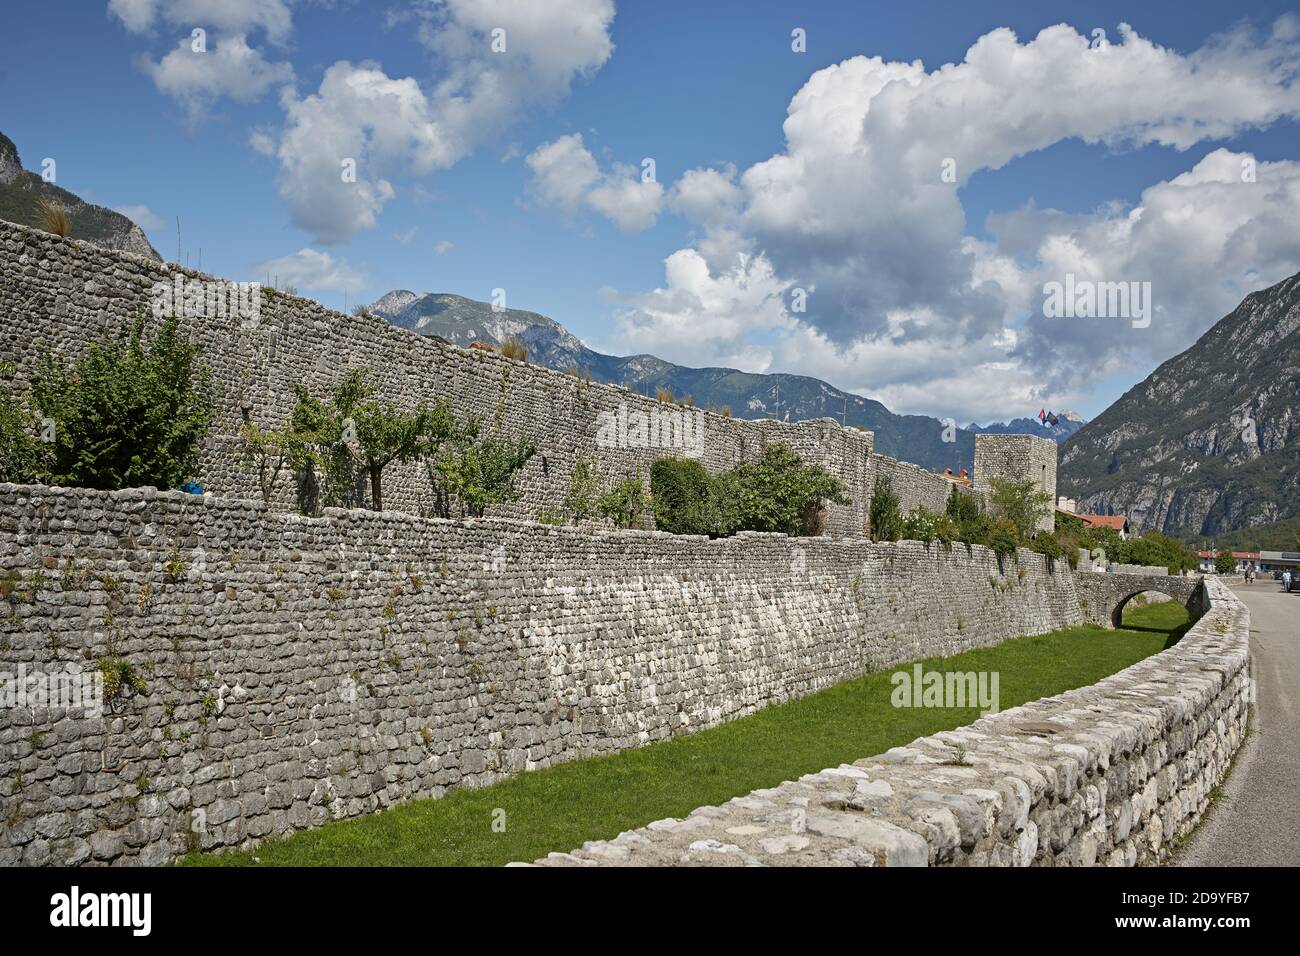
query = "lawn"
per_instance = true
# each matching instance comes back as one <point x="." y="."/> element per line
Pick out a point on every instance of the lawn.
<point x="561" y="807"/>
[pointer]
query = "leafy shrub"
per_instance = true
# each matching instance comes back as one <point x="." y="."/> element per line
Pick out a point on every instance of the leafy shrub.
<point x="478" y="469"/>
<point x="129" y="412"/>
<point x="1003" y="537"/>
<point x="1225" y="563"/>
<point x="24" y="458"/>
<point x="626" y="503"/>
<point x="777" y="493"/>
<point x="681" y="495"/>
<point x="583" y="497"/>
<point x="922" y="524"/>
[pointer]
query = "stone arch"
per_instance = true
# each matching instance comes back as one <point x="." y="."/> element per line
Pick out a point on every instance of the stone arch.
<point x="1102" y="596"/>
<point x="1117" y="614"/>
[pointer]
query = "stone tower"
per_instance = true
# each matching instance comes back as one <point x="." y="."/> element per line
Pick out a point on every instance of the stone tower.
<point x="1017" y="458"/>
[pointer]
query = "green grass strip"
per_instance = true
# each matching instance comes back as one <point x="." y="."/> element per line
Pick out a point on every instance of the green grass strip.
<point x="561" y="807"/>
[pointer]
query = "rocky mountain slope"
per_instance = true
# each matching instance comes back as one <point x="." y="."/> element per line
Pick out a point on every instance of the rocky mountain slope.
<point x="914" y="438"/>
<point x="21" y="193"/>
<point x="1210" y="441"/>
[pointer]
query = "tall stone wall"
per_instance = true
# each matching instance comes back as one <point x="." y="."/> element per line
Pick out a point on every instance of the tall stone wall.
<point x="1111" y="774"/>
<point x="57" y="294"/>
<point x="278" y="671"/>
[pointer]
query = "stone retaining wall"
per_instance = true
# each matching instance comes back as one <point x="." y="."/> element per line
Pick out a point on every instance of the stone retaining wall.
<point x="1114" y="774"/>
<point x="297" y="670"/>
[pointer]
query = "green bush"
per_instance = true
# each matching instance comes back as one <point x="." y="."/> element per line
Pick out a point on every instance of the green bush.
<point x="1003" y="537"/>
<point x="1225" y="563"/>
<point x="777" y="493"/>
<point x="478" y="470"/>
<point x="129" y="412"/>
<point x="681" y="492"/>
<point x="922" y="524"/>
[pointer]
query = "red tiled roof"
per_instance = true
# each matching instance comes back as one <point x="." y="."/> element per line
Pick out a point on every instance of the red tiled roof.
<point x="1117" y="522"/>
<point x="1246" y="555"/>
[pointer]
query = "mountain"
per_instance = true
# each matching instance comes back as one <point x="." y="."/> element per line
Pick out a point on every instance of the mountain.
<point x="1209" y="442"/>
<point x="1066" y="425"/>
<point x="21" y="193"/>
<point x="914" y="438"/>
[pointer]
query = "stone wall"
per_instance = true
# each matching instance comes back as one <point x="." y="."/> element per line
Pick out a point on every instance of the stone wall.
<point x="296" y="670"/>
<point x="57" y="294"/>
<point x="1111" y="774"/>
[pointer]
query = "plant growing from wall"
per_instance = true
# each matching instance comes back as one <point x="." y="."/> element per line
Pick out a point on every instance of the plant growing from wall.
<point x="131" y="411"/>
<point x="512" y="346"/>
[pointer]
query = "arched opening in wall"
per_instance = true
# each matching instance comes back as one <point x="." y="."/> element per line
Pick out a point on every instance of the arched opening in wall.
<point x="1150" y="611"/>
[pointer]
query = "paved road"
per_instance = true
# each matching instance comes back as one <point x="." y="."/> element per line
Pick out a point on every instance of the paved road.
<point x="1255" y="821"/>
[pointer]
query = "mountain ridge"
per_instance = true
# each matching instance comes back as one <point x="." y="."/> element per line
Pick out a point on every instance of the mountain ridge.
<point x="1209" y="442"/>
<point x="461" y="321"/>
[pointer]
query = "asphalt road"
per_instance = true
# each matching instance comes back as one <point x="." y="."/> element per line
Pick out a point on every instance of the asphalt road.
<point x="1255" y="820"/>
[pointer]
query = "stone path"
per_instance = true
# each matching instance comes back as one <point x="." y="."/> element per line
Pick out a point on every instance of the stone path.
<point x="1255" y="821"/>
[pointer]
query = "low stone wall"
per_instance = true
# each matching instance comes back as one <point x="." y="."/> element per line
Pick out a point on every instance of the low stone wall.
<point x="290" y="670"/>
<point x="1109" y="774"/>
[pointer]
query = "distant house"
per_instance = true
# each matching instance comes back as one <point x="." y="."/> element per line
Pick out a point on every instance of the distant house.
<point x="960" y="478"/>
<point x="1117" y="523"/>
<point x="1246" y="560"/>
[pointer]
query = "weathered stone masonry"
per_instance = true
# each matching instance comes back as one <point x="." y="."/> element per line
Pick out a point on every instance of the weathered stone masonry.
<point x="305" y="669"/>
<point x="1109" y="774"/>
<point x="58" y="293"/>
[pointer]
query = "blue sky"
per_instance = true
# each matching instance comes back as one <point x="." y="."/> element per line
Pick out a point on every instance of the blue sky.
<point x="472" y="175"/>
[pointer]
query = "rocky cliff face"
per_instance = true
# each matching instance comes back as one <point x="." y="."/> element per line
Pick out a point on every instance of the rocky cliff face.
<point x="1210" y="441"/>
<point x="22" y="192"/>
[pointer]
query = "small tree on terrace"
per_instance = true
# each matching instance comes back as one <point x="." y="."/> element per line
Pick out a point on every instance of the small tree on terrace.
<point x="883" y="517"/>
<point x="1225" y="563"/>
<point x="270" y="453"/>
<point x="1021" y="503"/>
<point x="474" y="468"/>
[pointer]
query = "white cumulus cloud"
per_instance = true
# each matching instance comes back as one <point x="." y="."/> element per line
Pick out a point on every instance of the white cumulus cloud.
<point x="566" y="176"/>
<point x="904" y="303"/>
<point x="313" y="269"/>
